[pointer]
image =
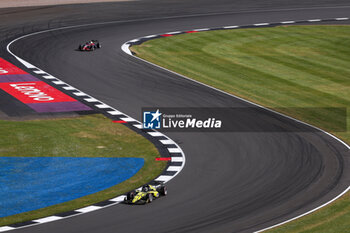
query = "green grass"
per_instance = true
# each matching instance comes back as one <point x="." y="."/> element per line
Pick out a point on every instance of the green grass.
<point x="302" y="71"/>
<point x="334" y="218"/>
<point x="86" y="136"/>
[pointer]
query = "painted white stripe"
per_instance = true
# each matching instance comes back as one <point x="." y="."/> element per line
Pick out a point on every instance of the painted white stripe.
<point x="171" y="33"/>
<point x="163" y="178"/>
<point x="59" y="82"/>
<point x="39" y="72"/>
<point x="69" y="88"/>
<point x="118" y="199"/>
<point x="201" y="29"/>
<point x="174" y="168"/>
<point x="102" y="105"/>
<point x="167" y="142"/>
<point x="156" y="134"/>
<point x="115" y="112"/>
<point x="47" y="219"/>
<point x="48" y="77"/>
<point x="174" y="150"/>
<point x="88" y="209"/>
<point x="342" y="19"/>
<point x="127" y="119"/>
<point x="91" y="99"/>
<point x="287" y="22"/>
<point x="79" y="93"/>
<point x="134" y="40"/>
<point x="314" y="20"/>
<point x="150" y="36"/>
<point x="26" y="64"/>
<point x="231" y="27"/>
<point x="261" y="24"/>
<point x="138" y="126"/>
<point x="176" y="159"/>
<point x="6" y="228"/>
<point x="126" y="48"/>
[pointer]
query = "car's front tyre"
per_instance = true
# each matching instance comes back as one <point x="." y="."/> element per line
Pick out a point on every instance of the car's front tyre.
<point x="150" y="198"/>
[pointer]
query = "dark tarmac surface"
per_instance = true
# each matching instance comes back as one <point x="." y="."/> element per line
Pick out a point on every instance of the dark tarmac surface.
<point x="232" y="182"/>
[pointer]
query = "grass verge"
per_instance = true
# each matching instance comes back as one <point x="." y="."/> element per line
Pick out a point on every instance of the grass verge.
<point x="86" y="136"/>
<point x="302" y="71"/>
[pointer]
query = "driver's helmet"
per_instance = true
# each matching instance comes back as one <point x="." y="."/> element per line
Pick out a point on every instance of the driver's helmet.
<point x="145" y="188"/>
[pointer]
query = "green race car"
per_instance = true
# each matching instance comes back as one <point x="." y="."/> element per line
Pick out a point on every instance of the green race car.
<point x="146" y="195"/>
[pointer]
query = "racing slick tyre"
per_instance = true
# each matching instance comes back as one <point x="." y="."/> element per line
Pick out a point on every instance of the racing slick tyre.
<point x="163" y="190"/>
<point x="99" y="45"/>
<point x="130" y="195"/>
<point x="149" y="198"/>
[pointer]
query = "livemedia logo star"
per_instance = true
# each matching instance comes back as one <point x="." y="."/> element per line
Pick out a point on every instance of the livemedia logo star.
<point x="152" y="120"/>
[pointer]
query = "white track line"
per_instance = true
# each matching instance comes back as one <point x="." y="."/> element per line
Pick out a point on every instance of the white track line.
<point x="163" y="178"/>
<point x="339" y="140"/>
<point x="39" y="72"/>
<point x="231" y="27"/>
<point x="201" y="29"/>
<point x="118" y="199"/>
<point x="102" y="105"/>
<point x="167" y="142"/>
<point x="6" y="228"/>
<point x="342" y="19"/>
<point x="47" y="219"/>
<point x="174" y="150"/>
<point x="288" y="22"/>
<point x="88" y="209"/>
<point x="150" y="36"/>
<point x="48" y="77"/>
<point x="114" y="112"/>
<point x="69" y="88"/>
<point x="261" y="24"/>
<point x="173" y="168"/>
<point x="91" y="99"/>
<point x="59" y="82"/>
<point x="314" y="20"/>
<point x="176" y="159"/>
<point x="139" y="126"/>
<point x="155" y="134"/>
<point x="126" y="48"/>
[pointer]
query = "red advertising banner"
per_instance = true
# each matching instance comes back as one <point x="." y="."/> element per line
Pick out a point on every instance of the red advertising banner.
<point x="35" y="92"/>
<point x="6" y="68"/>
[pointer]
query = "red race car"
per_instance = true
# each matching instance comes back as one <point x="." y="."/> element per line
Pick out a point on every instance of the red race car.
<point x="90" y="45"/>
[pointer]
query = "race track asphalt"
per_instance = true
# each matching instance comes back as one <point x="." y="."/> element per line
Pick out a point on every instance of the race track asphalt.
<point x="232" y="182"/>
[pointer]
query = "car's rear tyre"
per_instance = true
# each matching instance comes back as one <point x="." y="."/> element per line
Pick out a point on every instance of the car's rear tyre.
<point x="130" y="195"/>
<point x="163" y="190"/>
<point x="99" y="45"/>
